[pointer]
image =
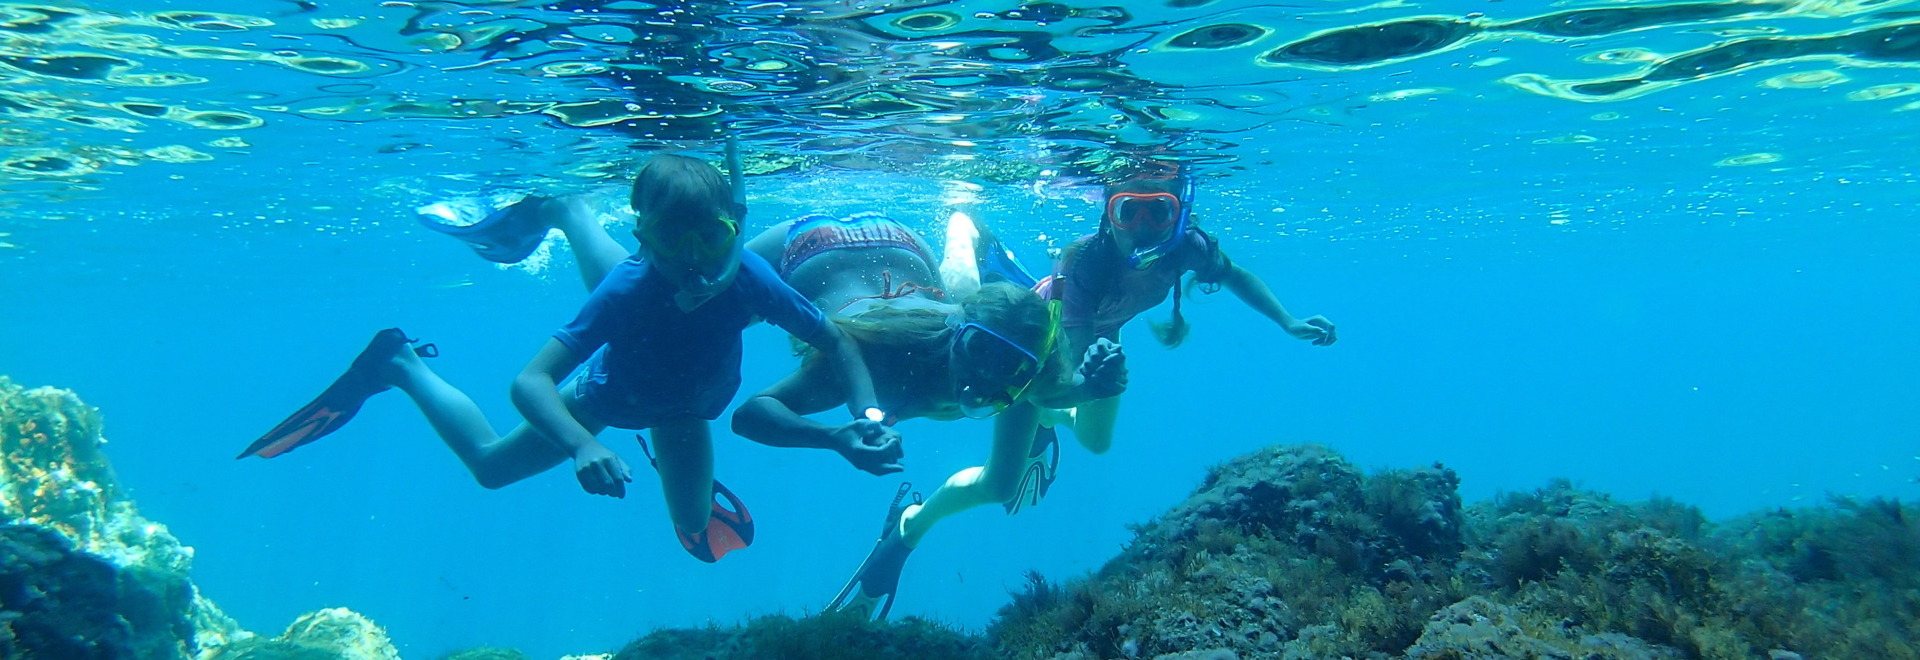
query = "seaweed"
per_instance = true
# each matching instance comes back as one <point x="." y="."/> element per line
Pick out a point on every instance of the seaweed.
<point x="828" y="635"/>
<point x="486" y="653"/>
<point x="1290" y="552"/>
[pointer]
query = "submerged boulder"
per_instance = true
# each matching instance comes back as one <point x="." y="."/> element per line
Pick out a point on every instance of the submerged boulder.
<point x="330" y="634"/>
<point x="59" y="602"/>
<point x="84" y="575"/>
<point x="1312" y="498"/>
<point x="1291" y="552"/>
<point x="56" y="479"/>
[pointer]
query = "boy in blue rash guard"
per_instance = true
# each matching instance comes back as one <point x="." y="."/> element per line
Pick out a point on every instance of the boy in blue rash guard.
<point x="660" y="341"/>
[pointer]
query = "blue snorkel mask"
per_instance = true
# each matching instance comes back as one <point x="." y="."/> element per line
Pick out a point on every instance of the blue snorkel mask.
<point x="1161" y="218"/>
<point x="990" y="372"/>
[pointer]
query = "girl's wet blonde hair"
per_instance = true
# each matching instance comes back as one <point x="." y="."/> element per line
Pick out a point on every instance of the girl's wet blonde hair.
<point x="913" y="333"/>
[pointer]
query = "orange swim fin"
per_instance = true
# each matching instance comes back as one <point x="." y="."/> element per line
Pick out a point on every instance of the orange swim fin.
<point x="730" y="528"/>
<point x="338" y="403"/>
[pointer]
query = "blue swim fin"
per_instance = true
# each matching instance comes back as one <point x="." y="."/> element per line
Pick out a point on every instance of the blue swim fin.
<point x="505" y="236"/>
<point x="996" y="262"/>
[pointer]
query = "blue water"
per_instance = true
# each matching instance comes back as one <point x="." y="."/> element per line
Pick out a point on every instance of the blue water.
<point x="1527" y="287"/>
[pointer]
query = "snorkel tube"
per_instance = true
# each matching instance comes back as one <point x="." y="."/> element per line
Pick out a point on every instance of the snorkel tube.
<point x="737" y="178"/>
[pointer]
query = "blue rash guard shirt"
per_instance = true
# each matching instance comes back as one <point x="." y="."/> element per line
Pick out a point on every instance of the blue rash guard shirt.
<point x="650" y="361"/>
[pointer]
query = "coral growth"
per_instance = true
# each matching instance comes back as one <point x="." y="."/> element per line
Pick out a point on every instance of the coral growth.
<point x="59" y="602"/>
<point x="487" y="653"/>
<point x="1292" y="553"/>
<point x="330" y="634"/>
<point x="830" y="635"/>
<point x="55" y="477"/>
<point x="83" y="575"/>
<point x="1289" y="552"/>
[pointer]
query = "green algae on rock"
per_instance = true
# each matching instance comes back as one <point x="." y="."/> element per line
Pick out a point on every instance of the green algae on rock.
<point x="78" y="561"/>
<point x="829" y="635"/>
<point x="1291" y="552"/>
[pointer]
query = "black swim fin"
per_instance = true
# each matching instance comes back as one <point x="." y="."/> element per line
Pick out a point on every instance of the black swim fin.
<point x="331" y="410"/>
<point x="876" y="584"/>
<point x="730" y="528"/>
<point x="505" y="236"/>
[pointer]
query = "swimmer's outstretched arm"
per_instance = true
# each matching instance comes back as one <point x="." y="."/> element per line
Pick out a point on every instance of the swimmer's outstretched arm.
<point x="776" y="417"/>
<point x="536" y="395"/>
<point x="1250" y="289"/>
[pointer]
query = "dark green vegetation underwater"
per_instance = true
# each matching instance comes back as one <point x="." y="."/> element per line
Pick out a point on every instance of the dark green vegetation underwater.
<point x="1289" y="552"/>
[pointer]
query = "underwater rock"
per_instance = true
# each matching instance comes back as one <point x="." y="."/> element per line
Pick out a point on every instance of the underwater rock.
<point x="1290" y="552"/>
<point x="330" y="634"/>
<point x="79" y="562"/>
<point x="1286" y="552"/>
<point x="58" y="602"/>
<point x="486" y="653"/>
<point x="55" y="477"/>
<point x="1480" y="628"/>
<point x="828" y="635"/>
<point x="352" y="634"/>
<point x="1309" y="495"/>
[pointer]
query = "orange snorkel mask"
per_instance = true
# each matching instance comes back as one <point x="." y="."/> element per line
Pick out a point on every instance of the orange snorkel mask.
<point x="1159" y="215"/>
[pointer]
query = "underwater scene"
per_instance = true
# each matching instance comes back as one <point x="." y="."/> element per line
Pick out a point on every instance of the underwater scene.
<point x="623" y="329"/>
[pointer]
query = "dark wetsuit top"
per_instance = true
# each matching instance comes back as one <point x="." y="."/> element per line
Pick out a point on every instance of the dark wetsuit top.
<point x="1098" y="290"/>
<point x="649" y="360"/>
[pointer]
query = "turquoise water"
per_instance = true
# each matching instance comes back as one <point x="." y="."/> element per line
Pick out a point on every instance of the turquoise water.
<point x="1660" y="249"/>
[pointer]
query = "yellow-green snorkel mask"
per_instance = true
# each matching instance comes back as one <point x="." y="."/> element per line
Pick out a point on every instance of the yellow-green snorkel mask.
<point x="701" y="258"/>
<point x="990" y="372"/>
<point x="701" y="261"/>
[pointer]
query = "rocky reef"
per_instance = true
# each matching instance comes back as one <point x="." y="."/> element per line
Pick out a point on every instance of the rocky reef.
<point x="84" y="576"/>
<point x="1293" y="553"/>
<point x="1289" y="553"/>
<point x="830" y="635"/>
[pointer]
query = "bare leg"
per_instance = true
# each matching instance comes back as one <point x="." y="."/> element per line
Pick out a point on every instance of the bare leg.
<point x="593" y="248"/>
<point x="685" y="445"/>
<point x="993" y="483"/>
<point x="495" y="461"/>
<point x="1093" y="423"/>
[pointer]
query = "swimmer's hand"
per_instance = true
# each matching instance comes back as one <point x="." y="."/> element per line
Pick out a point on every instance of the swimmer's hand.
<point x="1318" y="329"/>
<point x="870" y="446"/>
<point x="1103" y="371"/>
<point x="601" y="471"/>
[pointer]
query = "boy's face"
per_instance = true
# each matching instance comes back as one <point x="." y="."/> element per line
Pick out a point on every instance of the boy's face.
<point x="700" y="260"/>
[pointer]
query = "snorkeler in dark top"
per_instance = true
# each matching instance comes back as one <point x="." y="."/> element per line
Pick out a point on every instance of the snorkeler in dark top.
<point x="1146" y="244"/>
<point x="660" y="340"/>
